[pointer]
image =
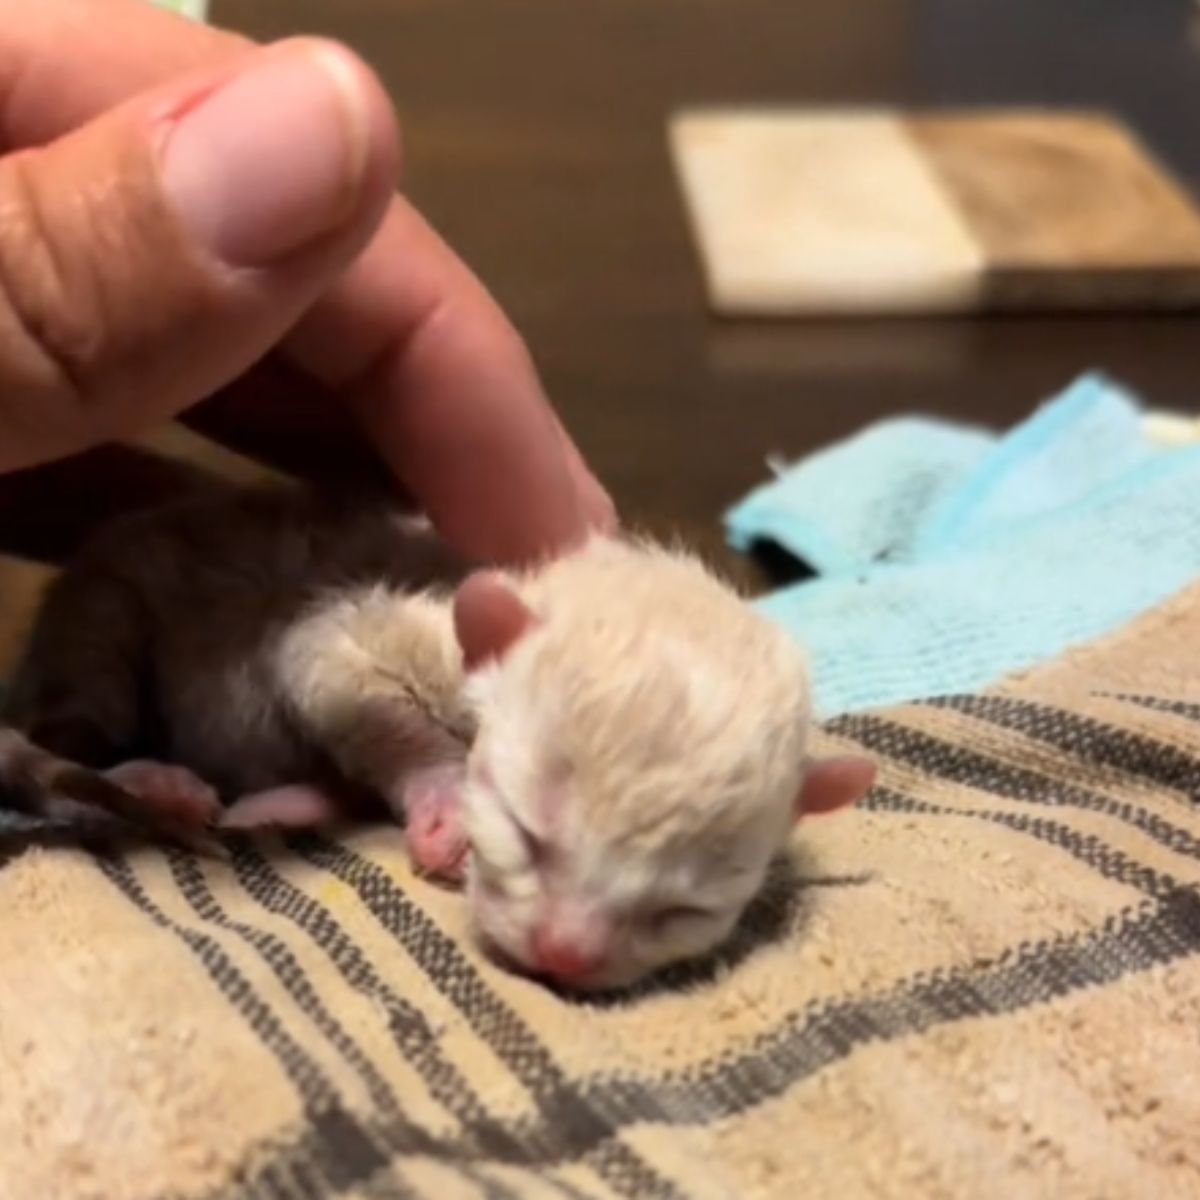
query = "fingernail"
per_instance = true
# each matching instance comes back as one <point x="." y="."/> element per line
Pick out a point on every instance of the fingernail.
<point x="272" y="160"/>
<point x="599" y="506"/>
<point x="599" y="510"/>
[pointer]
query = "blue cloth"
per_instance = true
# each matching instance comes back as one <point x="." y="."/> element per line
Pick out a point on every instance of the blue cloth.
<point x="948" y="557"/>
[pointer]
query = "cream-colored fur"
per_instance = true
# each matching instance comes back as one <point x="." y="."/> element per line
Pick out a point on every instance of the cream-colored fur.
<point x="651" y="729"/>
<point x="375" y="675"/>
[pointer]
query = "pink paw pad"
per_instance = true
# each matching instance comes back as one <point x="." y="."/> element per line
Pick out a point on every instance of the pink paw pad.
<point x="174" y="793"/>
<point x="435" y="830"/>
<point x="296" y="806"/>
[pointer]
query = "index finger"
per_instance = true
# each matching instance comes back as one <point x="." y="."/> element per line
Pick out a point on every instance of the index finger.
<point x="408" y="338"/>
<point x="448" y="393"/>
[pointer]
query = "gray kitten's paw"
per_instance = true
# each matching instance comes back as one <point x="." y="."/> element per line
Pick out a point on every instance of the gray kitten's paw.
<point x="294" y="806"/>
<point x="173" y="793"/>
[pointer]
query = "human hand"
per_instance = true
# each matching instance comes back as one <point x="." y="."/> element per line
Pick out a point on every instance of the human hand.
<point x="175" y="203"/>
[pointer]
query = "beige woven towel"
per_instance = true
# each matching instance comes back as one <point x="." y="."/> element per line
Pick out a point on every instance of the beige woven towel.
<point x="983" y="983"/>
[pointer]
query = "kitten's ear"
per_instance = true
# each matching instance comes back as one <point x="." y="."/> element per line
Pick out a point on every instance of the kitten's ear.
<point x="833" y="783"/>
<point x="489" y="619"/>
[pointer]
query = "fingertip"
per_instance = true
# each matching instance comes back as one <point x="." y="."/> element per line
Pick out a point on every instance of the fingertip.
<point x="599" y="508"/>
<point x="378" y="139"/>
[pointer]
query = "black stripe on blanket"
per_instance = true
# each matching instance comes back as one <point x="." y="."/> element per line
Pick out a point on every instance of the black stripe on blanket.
<point x="1089" y="740"/>
<point x="572" y="1117"/>
<point x="954" y="763"/>
<point x="1085" y="848"/>
<point x="1131" y="941"/>
<point x="583" y="1119"/>
<point x="1177" y="708"/>
<point x="483" y="1138"/>
<point x="349" y="1150"/>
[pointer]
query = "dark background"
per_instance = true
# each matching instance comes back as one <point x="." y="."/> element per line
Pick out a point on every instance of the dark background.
<point x="536" y="143"/>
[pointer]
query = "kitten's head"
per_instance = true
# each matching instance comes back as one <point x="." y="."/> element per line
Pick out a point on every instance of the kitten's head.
<point x="640" y="761"/>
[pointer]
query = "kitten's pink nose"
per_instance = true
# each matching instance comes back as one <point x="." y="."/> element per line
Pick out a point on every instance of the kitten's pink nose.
<point x="569" y="955"/>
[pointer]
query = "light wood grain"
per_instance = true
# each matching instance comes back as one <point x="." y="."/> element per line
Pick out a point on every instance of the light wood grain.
<point x="881" y="212"/>
<point x="804" y="212"/>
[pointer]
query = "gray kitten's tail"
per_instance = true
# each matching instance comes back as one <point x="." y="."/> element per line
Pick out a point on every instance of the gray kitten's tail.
<point x="33" y="779"/>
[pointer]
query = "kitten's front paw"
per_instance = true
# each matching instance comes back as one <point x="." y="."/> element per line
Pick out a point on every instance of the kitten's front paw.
<point x="172" y="793"/>
<point x="434" y="826"/>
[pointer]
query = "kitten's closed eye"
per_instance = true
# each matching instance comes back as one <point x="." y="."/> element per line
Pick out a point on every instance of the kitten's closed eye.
<point x="676" y="916"/>
<point x="537" y="849"/>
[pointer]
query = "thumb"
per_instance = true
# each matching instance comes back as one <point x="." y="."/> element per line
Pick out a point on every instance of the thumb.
<point x="151" y="256"/>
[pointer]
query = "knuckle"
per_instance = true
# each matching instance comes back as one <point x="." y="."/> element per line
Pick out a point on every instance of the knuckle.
<point x="49" y="312"/>
<point x="72" y="241"/>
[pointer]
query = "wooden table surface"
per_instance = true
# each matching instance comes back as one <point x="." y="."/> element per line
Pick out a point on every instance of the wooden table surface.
<point x="535" y="142"/>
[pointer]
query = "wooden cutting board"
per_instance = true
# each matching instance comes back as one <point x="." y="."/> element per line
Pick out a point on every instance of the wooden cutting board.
<point x="878" y="212"/>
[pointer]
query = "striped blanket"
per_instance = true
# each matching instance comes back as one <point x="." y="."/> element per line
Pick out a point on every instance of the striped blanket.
<point x="985" y="982"/>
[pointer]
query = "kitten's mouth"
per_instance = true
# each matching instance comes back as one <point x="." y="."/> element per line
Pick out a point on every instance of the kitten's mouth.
<point x="515" y="964"/>
<point x="565" y="974"/>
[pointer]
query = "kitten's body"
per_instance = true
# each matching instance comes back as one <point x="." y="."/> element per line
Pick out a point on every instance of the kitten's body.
<point x="161" y="638"/>
<point x="628" y="767"/>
